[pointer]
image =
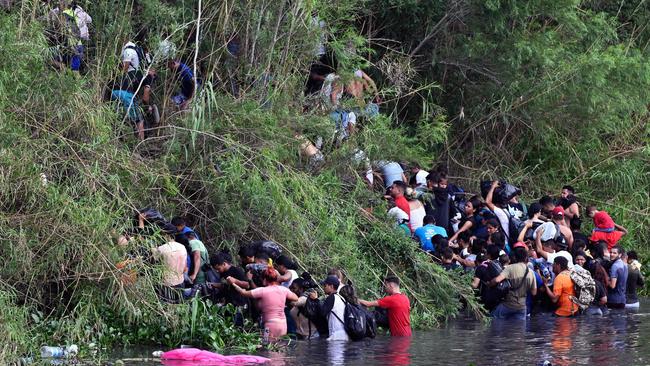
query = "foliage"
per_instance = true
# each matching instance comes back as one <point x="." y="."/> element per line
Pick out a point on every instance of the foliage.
<point x="73" y="175"/>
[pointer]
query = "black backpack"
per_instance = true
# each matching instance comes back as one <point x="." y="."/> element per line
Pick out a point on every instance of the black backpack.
<point x="311" y="311"/>
<point x="271" y="248"/>
<point x="371" y="324"/>
<point x="354" y="322"/>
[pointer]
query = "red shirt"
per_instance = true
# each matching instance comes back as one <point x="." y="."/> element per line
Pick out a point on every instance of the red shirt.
<point x="399" y="314"/>
<point x="403" y="205"/>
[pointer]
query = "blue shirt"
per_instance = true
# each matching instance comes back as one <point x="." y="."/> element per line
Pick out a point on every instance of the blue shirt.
<point x="187" y="80"/>
<point x="616" y="295"/>
<point x="426" y="232"/>
<point x="391" y="171"/>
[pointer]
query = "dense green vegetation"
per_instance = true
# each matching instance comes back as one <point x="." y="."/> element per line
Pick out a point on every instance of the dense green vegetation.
<point x="541" y="92"/>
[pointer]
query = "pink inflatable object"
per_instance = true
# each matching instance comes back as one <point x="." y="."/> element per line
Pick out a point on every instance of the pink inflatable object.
<point x="194" y="356"/>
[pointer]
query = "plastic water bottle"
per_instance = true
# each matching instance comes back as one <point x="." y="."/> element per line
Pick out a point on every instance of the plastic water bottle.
<point x="59" y="352"/>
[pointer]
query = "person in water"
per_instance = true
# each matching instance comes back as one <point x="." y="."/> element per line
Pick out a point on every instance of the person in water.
<point x="270" y="300"/>
<point x="398" y="306"/>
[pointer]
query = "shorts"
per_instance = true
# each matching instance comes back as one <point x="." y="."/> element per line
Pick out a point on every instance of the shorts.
<point x="129" y="104"/>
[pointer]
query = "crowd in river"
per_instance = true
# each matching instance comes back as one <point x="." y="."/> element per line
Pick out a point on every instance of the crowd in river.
<point x="524" y="258"/>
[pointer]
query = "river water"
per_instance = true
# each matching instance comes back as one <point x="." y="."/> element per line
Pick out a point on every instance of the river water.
<point x="619" y="338"/>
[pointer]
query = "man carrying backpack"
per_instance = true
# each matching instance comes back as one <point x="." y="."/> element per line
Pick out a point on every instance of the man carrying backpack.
<point x="333" y="309"/>
<point x="522" y="281"/>
<point x="398" y="306"/>
<point x="563" y="289"/>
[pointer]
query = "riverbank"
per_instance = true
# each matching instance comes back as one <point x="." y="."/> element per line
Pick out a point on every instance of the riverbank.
<point x="612" y="340"/>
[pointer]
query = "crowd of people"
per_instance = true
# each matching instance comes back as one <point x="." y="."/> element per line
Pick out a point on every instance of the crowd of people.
<point x="264" y="286"/>
<point x="525" y="258"/>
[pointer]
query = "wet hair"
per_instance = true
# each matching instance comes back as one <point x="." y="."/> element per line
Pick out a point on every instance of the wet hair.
<point x="632" y="255"/>
<point x="283" y="260"/>
<point x="428" y="219"/>
<point x="533" y="209"/>
<point x="520" y="255"/>
<point x="569" y="188"/>
<point x="246" y="251"/>
<point x="349" y="294"/>
<point x="562" y="262"/>
<point x="392" y="279"/>
<point x="493" y="251"/>
<point x="546" y="200"/>
<point x="178" y="221"/>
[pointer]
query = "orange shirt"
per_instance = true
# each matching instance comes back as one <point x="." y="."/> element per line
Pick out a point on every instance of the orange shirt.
<point x="563" y="287"/>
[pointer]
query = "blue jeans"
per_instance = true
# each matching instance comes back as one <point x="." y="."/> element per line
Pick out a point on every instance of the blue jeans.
<point x="504" y="312"/>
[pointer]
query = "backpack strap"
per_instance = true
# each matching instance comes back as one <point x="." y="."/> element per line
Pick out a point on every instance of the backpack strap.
<point x="332" y="311"/>
<point x="522" y="281"/>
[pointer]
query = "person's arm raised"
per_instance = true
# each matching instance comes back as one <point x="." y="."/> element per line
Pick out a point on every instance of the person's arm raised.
<point x="490" y="196"/>
<point x="522" y="234"/>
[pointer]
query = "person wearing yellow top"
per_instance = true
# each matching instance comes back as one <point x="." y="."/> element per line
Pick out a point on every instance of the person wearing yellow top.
<point x="562" y="289"/>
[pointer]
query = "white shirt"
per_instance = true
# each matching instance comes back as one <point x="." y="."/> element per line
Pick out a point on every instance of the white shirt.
<point x="83" y="19"/>
<point x="130" y="55"/>
<point x="550" y="257"/>
<point x="417" y="218"/>
<point x="336" y="327"/>
<point x="294" y="275"/>
<point x="505" y="223"/>
<point x="174" y="257"/>
<point x="549" y="231"/>
<point x="398" y="215"/>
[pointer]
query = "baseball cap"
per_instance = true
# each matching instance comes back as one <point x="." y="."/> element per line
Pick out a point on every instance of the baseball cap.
<point x="520" y="244"/>
<point x="558" y="211"/>
<point x="331" y="280"/>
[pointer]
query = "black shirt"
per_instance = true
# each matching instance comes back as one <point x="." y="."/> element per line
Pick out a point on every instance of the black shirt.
<point x="229" y="294"/>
